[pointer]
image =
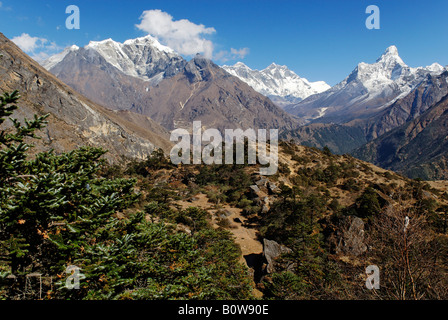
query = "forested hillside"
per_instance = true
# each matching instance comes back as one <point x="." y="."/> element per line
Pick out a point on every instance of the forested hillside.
<point x="153" y="230"/>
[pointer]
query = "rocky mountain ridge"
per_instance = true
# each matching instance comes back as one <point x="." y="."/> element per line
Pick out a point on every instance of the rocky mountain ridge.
<point x="366" y="91"/>
<point x="418" y="148"/>
<point x="144" y="57"/>
<point x="277" y="82"/>
<point x="74" y="120"/>
<point x="187" y="91"/>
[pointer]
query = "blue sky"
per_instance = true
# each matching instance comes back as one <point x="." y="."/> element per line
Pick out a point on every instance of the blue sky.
<point x="319" y="39"/>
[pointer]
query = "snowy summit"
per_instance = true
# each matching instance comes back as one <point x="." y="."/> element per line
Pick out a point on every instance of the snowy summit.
<point x="278" y="82"/>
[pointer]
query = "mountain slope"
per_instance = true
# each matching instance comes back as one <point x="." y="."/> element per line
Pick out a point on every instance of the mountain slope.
<point x="144" y="57"/>
<point x="282" y="85"/>
<point x="89" y="73"/>
<point x="113" y="74"/>
<point x="344" y="138"/>
<point x="429" y="92"/>
<point x="366" y="91"/>
<point x="74" y="120"/>
<point x="203" y="91"/>
<point x="418" y="148"/>
<point x="197" y="90"/>
<point x="339" y="138"/>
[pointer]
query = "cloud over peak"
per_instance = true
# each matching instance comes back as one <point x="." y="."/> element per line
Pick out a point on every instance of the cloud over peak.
<point x="28" y="43"/>
<point x="39" y="48"/>
<point x="183" y="36"/>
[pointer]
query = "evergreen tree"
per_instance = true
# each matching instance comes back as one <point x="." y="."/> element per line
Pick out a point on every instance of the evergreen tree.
<point x="58" y="210"/>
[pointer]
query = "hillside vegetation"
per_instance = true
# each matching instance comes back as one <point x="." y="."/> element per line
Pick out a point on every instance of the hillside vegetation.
<point x="154" y="230"/>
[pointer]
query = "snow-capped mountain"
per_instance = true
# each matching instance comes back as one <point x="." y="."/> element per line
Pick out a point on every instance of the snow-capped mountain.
<point x="367" y="90"/>
<point x="142" y="76"/>
<point x="388" y="73"/>
<point x="55" y="59"/>
<point x="75" y="120"/>
<point x="144" y="57"/>
<point x="279" y="83"/>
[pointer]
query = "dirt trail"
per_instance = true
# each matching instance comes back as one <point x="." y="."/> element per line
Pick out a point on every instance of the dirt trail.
<point x="439" y="184"/>
<point x="244" y="236"/>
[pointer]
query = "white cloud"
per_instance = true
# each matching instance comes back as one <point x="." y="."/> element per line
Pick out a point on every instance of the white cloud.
<point x="234" y="54"/>
<point x="183" y="36"/>
<point x="4" y="8"/>
<point x="38" y="48"/>
<point x="28" y="43"/>
<point x="41" y="56"/>
<point x="240" y="53"/>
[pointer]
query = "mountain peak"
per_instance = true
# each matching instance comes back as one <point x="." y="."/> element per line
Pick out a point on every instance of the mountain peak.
<point x="55" y="59"/>
<point x="391" y="54"/>
<point x="148" y="39"/>
<point x="200" y="60"/>
<point x="238" y="67"/>
<point x="392" y="50"/>
<point x="240" y="64"/>
<point x="273" y="65"/>
<point x="79" y="121"/>
<point x="143" y="57"/>
<point x="93" y="44"/>
<point x="367" y="90"/>
<point x="277" y="81"/>
<point x="141" y="39"/>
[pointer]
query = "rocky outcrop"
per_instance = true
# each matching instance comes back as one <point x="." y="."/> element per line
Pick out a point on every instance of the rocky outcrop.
<point x="428" y="93"/>
<point x="271" y="252"/>
<point x="144" y="58"/>
<point x="352" y="239"/>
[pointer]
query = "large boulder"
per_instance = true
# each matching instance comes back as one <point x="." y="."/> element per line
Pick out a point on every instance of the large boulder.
<point x="273" y="188"/>
<point x="352" y="240"/>
<point x="255" y="192"/>
<point x="271" y="251"/>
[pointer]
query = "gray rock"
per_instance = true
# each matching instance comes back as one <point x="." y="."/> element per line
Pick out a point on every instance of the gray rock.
<point x="223" y="214"/>
<point x="352" y="239"/>
<point x="271" y="251"/>
<point x="264" y="209"/>
<point x="262" y="182"/>
<point x="273" y="187"/>
<point x="255" y="189"/>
